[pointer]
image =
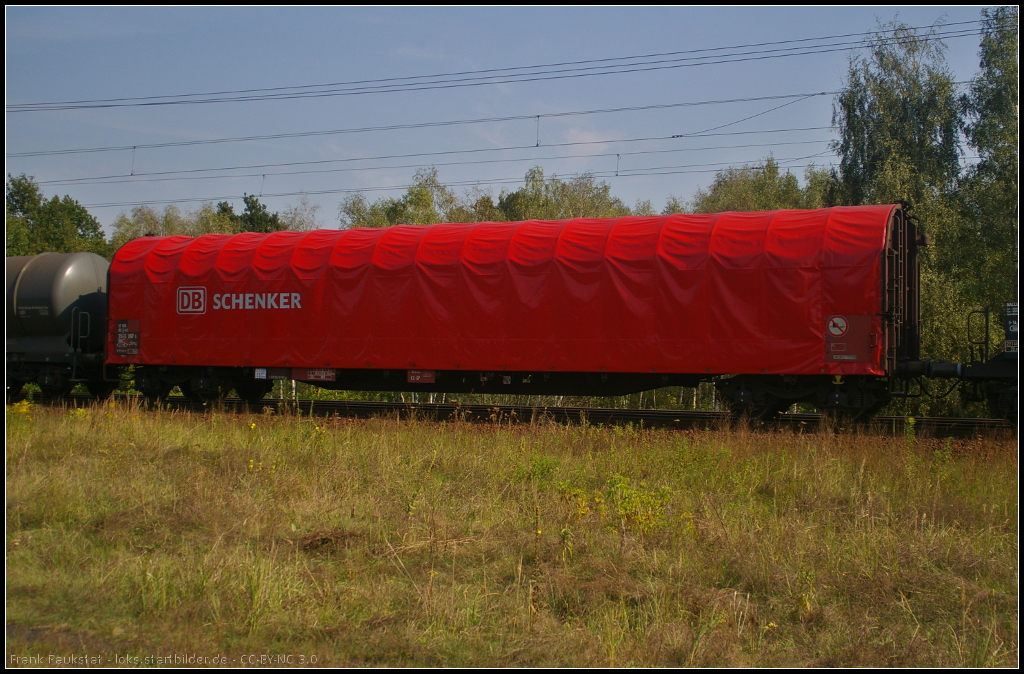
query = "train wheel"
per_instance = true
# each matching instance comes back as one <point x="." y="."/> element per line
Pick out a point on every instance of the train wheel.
<point x="746" y="398"/>
<point x="190" y="394"/>
<point x="14" y="387"/>
<point x="156" y="391"/>
<point x="1002" y="401"/>
<point x="55" y="383"/>
<point x="764" y="410"/>
<point x="200" y="395"/>
<point x="55" y="391"/>
<point x="254" y="390"/>
<point x="853" y="402"/>
<point x="101" y="390"/>
<point x="774" y="408"/>
<point x="868" y="414"/>
<point x="158" y="395"/>
<point x="151" y="386"/>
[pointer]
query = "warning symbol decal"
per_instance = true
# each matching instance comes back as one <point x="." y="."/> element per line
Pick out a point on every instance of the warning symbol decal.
<point x="837" y="326"/>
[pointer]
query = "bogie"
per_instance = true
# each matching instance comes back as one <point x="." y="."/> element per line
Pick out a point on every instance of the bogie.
<point x="763" y="397"/>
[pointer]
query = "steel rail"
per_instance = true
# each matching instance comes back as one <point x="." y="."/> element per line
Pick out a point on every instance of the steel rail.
<point x="594" y="416"/>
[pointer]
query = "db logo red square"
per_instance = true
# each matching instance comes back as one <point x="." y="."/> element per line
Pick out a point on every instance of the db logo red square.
<point x="192" y="300"/>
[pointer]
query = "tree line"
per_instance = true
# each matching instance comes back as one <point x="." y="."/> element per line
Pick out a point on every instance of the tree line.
<point x="904" y="127"/>
<point x="62" y="225"/>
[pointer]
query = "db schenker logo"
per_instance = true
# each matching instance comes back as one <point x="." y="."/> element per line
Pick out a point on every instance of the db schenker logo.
<point x="192" y="300"/>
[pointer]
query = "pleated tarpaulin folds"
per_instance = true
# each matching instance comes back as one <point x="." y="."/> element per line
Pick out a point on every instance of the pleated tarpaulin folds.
<point x="741" y="293"/>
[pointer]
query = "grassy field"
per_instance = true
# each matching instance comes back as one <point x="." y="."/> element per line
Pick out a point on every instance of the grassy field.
<point x="134" y="536"/>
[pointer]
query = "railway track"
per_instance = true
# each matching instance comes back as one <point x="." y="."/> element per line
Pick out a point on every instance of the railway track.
<point x="511" y="414"/>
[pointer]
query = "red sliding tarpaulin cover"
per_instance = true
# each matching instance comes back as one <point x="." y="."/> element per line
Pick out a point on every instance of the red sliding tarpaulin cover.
<point x="718" y="293"/>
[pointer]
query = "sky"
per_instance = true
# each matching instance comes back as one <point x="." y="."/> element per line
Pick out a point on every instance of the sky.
<point x="763" y="81"/>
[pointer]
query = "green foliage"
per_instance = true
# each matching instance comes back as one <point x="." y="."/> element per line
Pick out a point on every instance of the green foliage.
<point x="37" y="225"/>
<point x="540" y="470"/>
<point x="644" y="207"/>
<point x="821" y="189"/>
<point x="255" y="217"/>
<point x="898" y="117"/>
<point x="145" y="221"/>
<point x="760" y="188"/>
<point x="303" y="216"/>
<point x="620" y="505"/>
<point x="982" y="250"/>
<point x="427" y="201"/>
<point x="636" y="506"/>
<point x="993" y="98"/>
<point x="674" y="205"/>
<point x="17" y="234"/>
<point x="900" y="122"/>
<point x="556" y="199"/>
<point x="222" y="219"/>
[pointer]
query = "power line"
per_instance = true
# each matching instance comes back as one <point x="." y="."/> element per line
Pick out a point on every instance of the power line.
<point x="417" y="125"/>
<point x="675" y="136"/>
<point x="451" y="84"/>
<point x="477" y="78"/>
<point x="652" y="171"/>
<point x="626" y="172"/>
<point x="492" y="70"/>
<point x="134" y="179"/>
<point x="465" y="183"/>
<point x="71" y="181"/>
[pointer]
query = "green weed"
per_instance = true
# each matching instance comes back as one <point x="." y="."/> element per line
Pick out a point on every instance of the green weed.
<point x="398" y="543"/>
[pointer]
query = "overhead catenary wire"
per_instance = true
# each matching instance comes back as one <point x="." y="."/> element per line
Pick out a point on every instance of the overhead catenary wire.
<point x="447" y="85"/>
<point x="653" y="171"/>
<point x="417" y="125"/>
<point x="71" y="181"/>
<point x="695" y="134"/>
<point x="464" y="183"/>
<point x="494" y="70"/>
<point x="211" y="173"/>
<point x="478" y="78"/>
<point x="137" y="179"/>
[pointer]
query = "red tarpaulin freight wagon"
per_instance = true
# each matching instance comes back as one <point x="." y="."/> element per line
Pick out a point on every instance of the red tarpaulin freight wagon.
<point x="767" y="293"/>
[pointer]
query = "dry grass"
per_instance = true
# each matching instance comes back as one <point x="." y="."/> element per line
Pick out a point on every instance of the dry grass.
<point x="415" y="543"/>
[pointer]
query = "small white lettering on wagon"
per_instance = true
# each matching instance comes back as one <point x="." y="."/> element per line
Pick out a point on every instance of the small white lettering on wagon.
<point x="257" y="301"/>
